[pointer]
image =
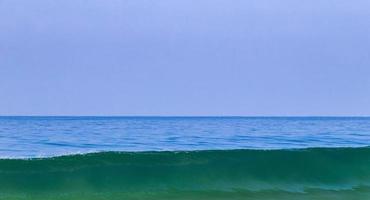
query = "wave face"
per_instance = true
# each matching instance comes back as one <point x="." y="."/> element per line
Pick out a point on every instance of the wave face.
<point x="317" y="173"/>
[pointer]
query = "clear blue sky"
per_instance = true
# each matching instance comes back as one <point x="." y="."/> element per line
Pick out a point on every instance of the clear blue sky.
<point x="184" y="57"/>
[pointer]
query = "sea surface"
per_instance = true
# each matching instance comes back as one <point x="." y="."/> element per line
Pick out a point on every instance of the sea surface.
<point x="261" y="158"/>
<point x="29" y="137"/>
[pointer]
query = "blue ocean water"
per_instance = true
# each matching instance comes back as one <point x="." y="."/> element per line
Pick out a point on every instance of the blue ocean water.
<point x="28" y="137"/>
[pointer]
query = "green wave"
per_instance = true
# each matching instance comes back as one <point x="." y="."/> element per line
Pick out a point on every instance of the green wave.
<point x="318" y="173"/>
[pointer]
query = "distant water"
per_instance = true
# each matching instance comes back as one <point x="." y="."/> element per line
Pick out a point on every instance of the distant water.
<point x="184" y="158"/>
<point x="26" y="137"/>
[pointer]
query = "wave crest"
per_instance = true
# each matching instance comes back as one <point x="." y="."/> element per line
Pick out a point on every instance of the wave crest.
<point x="231" y="174"/>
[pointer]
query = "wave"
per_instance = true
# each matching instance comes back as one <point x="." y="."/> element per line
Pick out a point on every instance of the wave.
<point x="316" y="173"/>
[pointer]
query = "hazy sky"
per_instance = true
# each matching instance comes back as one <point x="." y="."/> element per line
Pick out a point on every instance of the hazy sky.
<point x="184" y="57"/>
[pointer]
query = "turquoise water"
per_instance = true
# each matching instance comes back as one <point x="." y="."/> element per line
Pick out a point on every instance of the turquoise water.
<point x="48" y="158"/>
<point x="322" y="174"/>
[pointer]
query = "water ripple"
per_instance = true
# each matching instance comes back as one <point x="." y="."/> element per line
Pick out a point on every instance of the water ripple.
<point x="48" y="136"/>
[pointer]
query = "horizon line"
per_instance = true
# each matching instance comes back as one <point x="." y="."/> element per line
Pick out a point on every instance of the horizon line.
<point x="189" y="116"/>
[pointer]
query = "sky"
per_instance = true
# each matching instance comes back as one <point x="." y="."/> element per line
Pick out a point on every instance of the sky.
<point x="185" y="57"/>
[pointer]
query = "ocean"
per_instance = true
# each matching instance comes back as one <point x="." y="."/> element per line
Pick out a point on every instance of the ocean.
<point x="261" y="158"/>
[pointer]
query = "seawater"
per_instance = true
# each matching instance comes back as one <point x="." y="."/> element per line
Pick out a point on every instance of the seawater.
<point x="184" y="158"/>
<point x="28" y="137"/>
